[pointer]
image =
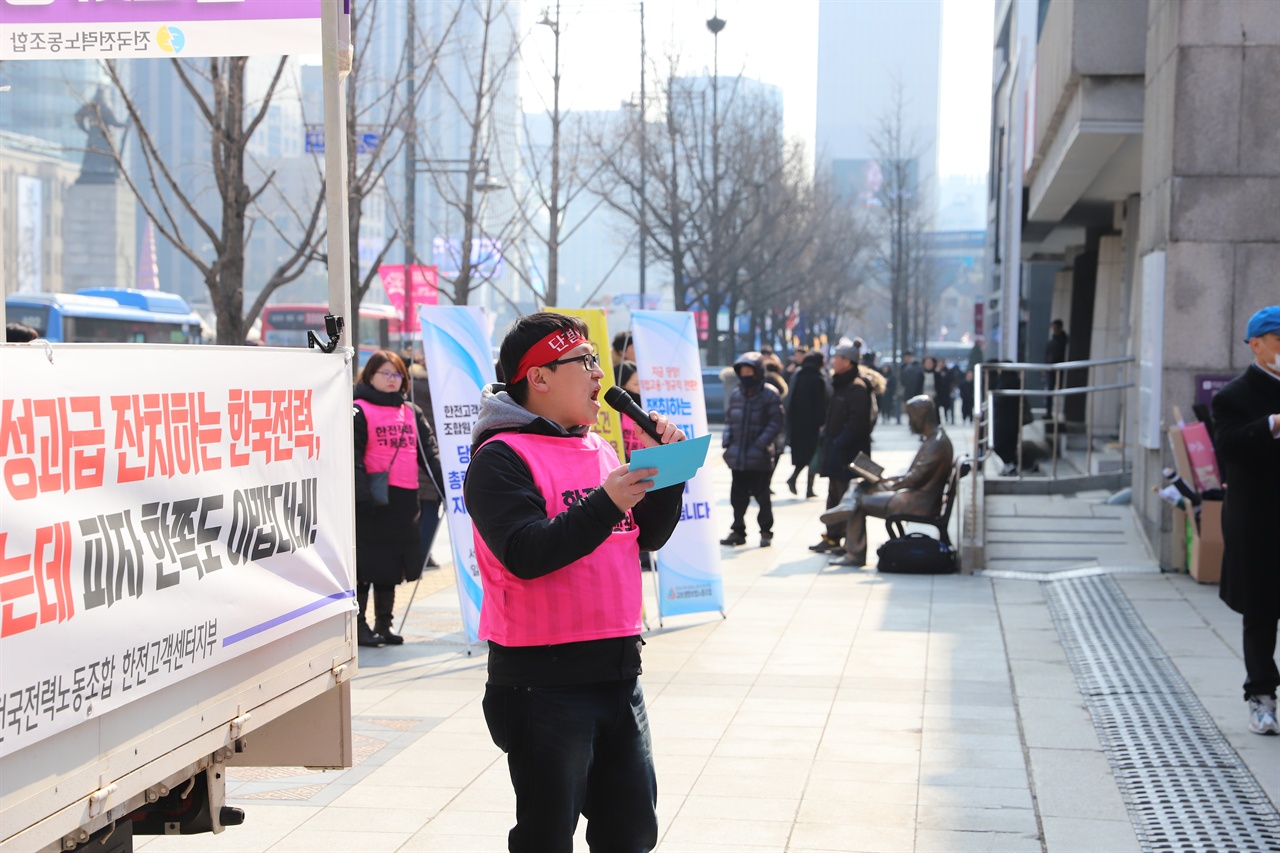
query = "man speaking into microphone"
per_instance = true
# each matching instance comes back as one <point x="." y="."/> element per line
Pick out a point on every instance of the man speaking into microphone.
<point x="559" y="527"/>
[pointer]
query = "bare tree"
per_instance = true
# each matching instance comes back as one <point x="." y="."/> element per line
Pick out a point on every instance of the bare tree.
<point x="381" y="108"/>
<point x="901" y="221"/>
<point x="484" y="38"/>
<point x="216" y="89"/>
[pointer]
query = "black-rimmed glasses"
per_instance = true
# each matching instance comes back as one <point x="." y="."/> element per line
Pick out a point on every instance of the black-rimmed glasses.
<point x="590" y="361"/>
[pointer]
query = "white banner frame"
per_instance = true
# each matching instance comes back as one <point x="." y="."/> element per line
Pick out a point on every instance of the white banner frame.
<point x="456" y="347"/>
<point x="150" y="532"/>
<point x="689" y="574"/>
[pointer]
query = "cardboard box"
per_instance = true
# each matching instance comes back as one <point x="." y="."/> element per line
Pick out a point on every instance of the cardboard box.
<point x="1206" y="543"/>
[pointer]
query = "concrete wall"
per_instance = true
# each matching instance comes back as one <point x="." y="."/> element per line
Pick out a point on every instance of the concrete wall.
<point x="1210" y="197"/>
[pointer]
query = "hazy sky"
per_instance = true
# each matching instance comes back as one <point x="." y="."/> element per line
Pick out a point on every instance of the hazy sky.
<point x="763" y="39"/>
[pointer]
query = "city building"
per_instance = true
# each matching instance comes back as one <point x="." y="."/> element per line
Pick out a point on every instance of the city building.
<point x="1136" y="195"/>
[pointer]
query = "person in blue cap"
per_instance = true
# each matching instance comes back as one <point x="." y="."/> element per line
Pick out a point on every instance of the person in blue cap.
<point x="1246" y="423"/>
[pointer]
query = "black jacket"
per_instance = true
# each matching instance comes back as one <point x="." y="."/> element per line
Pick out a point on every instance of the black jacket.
<point x="510" y="514"/>
<point x="912" y="378"/>
<point x="1250" y="461"/>
<point x="848" y="427"/>
<point x="753" y="425"/>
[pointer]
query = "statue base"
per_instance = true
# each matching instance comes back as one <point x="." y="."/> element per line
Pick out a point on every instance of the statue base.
<point x="99" y="236"/>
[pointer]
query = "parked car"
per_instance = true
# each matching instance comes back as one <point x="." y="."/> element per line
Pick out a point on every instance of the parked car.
<point x="713" y="392"/>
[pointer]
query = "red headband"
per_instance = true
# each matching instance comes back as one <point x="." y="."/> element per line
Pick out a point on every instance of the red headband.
<point x="547" y="350"/>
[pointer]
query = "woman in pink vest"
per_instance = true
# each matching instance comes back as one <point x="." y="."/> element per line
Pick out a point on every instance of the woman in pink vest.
<point x="559" y="526"/>
<point x="391" y="435"/>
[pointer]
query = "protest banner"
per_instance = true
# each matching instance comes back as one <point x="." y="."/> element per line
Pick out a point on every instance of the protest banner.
<point x="73" y="29"/>
<point x="154" y="526"/>
<point x="455" y="343"/>
<point x="689" y="577"/>
<point x="608" y="424"/>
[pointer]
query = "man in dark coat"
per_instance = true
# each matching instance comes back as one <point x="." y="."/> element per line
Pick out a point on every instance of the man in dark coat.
<point x="846" y="432"/>
<point x="1246" y="424"/>
<point x="753" y="425"/>
<point x="917" y="492"/>
<point x="1055" y="352"/>
<point x="806" y="412"/>
<point x="910" y="380"/>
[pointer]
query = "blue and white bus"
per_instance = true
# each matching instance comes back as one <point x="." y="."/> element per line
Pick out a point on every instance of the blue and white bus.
<point x="107" y="315"/>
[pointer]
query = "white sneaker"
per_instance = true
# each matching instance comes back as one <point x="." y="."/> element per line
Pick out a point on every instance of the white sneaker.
<point x="1262" y="716"/>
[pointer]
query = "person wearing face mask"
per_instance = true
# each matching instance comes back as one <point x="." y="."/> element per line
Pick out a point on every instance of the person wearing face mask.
<point x="1246" y="424"/>
<point x="391" y="434"/>
<point x="753" y="425"/>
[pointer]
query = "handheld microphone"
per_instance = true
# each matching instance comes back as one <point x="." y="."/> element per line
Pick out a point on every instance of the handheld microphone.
<point x="622" y="401"/>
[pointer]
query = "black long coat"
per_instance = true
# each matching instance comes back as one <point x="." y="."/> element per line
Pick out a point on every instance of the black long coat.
<point x="388" y="540"/>
<point x="808" y="411"/>
<point x="1250" y="461"/>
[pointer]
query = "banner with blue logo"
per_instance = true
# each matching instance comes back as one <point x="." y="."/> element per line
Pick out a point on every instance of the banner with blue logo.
<point x="689" y="577"/>
<point x="74" y="29"/>
<point x="455" y="343"/>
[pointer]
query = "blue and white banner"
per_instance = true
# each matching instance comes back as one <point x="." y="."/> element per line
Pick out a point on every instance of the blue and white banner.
<point x="455" y="342"/>
<point x="689" y="579"/>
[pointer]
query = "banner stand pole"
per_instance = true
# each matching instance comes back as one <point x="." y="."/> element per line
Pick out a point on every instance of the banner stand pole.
<point x="657" y="587"/>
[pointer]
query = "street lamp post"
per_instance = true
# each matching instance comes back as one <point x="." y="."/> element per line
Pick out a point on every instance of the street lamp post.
<point x="715" y="24"/>
<point x="553" y="204"/>
<point x="644" y="165"/>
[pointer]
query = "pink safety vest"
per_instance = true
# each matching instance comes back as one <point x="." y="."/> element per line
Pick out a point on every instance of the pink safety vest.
<point x="594" y="598"/>
<point x="391" y="428"/>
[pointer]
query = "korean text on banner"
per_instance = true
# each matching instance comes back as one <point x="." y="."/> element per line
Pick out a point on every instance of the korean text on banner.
<point x="455" y="342"/>
<point x="164" y="29"/>
<point x="689" y="578"/>
<point x="608" y="423"/>
<point x="150" y="531"/>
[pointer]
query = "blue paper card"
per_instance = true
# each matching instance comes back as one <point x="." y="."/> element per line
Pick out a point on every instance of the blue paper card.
<point x="676" y="463"/>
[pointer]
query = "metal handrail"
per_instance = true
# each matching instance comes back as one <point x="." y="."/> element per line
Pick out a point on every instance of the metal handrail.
<point x="984" y="421"/>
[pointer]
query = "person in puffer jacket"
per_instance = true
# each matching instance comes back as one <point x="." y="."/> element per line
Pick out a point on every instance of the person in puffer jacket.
<point x="752" y="427"/>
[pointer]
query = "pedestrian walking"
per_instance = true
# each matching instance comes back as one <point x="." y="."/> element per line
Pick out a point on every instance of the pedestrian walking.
<point x="1246" y="428"/>
<point x="753" y="425"/>
<point x="806" y="412"/>
<point x="559" y="525"/>
<point x="1055" y="352"/>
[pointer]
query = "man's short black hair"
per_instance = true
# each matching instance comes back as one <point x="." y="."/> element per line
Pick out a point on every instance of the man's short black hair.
<point x="523" y="334"/>
<point x="1057" y="324"/>
<point x="621" y="341"/>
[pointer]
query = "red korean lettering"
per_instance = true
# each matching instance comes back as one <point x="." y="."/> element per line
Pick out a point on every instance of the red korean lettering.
<point x="303" y="426"/>
<point x="281" y="426"/>
<point x="17" y="592"/>
<point x="238" y="418"/>
<point x="17" y="446"/>
<point x="88" y="440"/>
<point x="129" y="443"/>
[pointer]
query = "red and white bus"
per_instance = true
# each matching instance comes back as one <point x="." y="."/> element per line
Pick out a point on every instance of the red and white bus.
<point x="286" y="325"/>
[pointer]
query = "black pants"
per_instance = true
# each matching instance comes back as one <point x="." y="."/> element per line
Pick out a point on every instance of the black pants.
<point x="577" y="751"/>
<point x="836" y="487"/>
<point x="747" y="485"/>
<point x="384" y="603"/>
<point x="1261" y="676"/>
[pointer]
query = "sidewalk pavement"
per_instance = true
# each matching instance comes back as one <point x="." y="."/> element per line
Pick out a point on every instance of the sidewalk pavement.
<point x="830" y="709"/>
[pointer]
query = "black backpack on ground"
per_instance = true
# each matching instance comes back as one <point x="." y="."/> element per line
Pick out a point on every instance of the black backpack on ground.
<point x="916" y="554"/>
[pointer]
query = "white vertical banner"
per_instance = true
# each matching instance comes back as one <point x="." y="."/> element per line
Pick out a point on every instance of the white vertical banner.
<point x="456" y="344"/>
<point x="689" y="578"/>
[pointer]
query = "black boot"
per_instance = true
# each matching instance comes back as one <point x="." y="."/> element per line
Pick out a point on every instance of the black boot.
<point x="791" y="481"/>
<point x="365" y="636"/>
<point x="384" y="602"/>
<point x="809" y="492"/>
